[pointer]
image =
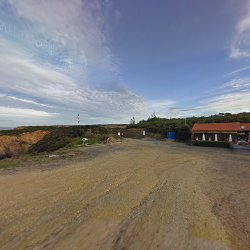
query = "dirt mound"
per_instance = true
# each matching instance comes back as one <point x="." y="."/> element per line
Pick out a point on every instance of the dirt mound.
<point x="14" y="145"/>
<point x="111" y="140"/>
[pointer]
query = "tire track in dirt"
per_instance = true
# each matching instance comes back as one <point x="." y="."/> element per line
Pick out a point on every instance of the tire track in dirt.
<point x="143" y="221"/>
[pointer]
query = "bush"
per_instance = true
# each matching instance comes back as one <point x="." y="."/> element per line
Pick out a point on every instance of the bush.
<point x="94" y="139"/>
<point x="61" y="137"/>
<point x="50" y="143"/>
<point x="183" y="126"/>
<point x="183" y="134"/>
<point x="75" y="142"/>
<point x="221" y="144"/>
<point x="57" y="138"/>
<point x="135" y="133"/>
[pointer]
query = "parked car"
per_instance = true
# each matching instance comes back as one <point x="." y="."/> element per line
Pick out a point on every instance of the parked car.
<point x="242" y="142"/>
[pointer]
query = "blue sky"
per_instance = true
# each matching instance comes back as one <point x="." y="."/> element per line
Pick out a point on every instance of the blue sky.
<point x="112" y="60"/>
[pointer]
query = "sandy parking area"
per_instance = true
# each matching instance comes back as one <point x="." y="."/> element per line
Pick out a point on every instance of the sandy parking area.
<point x="135" y="195"/>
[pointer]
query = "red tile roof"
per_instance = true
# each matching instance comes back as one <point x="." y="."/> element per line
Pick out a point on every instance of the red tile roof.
<point x="220" y="127"/>
<point x="245" y="126"/>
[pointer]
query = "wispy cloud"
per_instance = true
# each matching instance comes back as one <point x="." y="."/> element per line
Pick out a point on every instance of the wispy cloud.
<point x="51" y="49"/>
<point x="23" y="74"/>
<point x="237" y="71"/>
<point x="24" y="113"/>
<point x="76" y="27"/>
<point x="233" y="97"/>
<point x="240" y="46"/>
<point x="232" y="103"/>
<point x="240" y="83"/>
<point x="28" y="101"/>
<point x="59" y="83"/>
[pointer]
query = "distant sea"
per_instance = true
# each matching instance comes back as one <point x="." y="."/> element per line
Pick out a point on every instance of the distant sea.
<point x="6" y="128"/>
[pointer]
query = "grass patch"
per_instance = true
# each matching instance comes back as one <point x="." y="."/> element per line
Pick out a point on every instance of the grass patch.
<point x="5" y="164"/>
<point x="94" y="139"/>
<point x="75" y="142"/>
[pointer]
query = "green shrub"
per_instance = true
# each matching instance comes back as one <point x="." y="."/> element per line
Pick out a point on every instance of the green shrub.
<point x="183" y="133"/>
<point x="94" y="139"/>
<point x="221" y="144"/>
<point x="75" y="142"/>
<point x="69" y="137"/>
<point x="183" y="126"/>
<point x="50" y="143"/>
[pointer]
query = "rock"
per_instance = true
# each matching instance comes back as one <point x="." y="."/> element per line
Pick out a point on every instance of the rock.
<point x="53" y="156"/>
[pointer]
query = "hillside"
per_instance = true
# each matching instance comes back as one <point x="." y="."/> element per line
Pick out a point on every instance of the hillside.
<point x="183" y="126"/>
<point x="37" y="139"/>
<point x="19" y="143"/>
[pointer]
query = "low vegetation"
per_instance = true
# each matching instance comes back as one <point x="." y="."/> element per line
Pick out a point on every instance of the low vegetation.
<point x="183" y="126"/>
<point x="221" y="144"/>
<point x="71" y="137"/>
<point x="8" y="164"/>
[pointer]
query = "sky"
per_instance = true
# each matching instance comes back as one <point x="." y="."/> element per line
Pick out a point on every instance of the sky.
<point x="111" y="60"/>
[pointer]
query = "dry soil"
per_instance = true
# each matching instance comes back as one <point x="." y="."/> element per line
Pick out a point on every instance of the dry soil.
<point x="132" y="195"/>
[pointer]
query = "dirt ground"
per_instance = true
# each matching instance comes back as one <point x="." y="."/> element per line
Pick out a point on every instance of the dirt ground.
<point x="130" y="195"/>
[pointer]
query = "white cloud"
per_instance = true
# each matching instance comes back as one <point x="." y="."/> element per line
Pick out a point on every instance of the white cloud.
<point x="28" y="101"/>
<point x="231" y="86"/>
<point x="24" y="113"/>
<point x="80" y="32"/>
<point x="78" y="26"/>
<point x="239" y="83"/>
<point x="240" y="46"/>
<point x="233" y="97"/>
<point x="37" y="88"/>
<point x="233" y="103"/>
<point x="22" y="74"/>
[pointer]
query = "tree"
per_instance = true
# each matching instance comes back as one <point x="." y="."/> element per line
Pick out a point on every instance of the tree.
<point x="153" y="115"/>
<point x="132" y="121"/>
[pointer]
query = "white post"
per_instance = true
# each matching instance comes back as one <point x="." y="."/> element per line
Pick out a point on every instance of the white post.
<point x="143" y="132"/>
<point x="215" y="137"/>
<point x="203" y="137"/>
<point x="230" y="138"/>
